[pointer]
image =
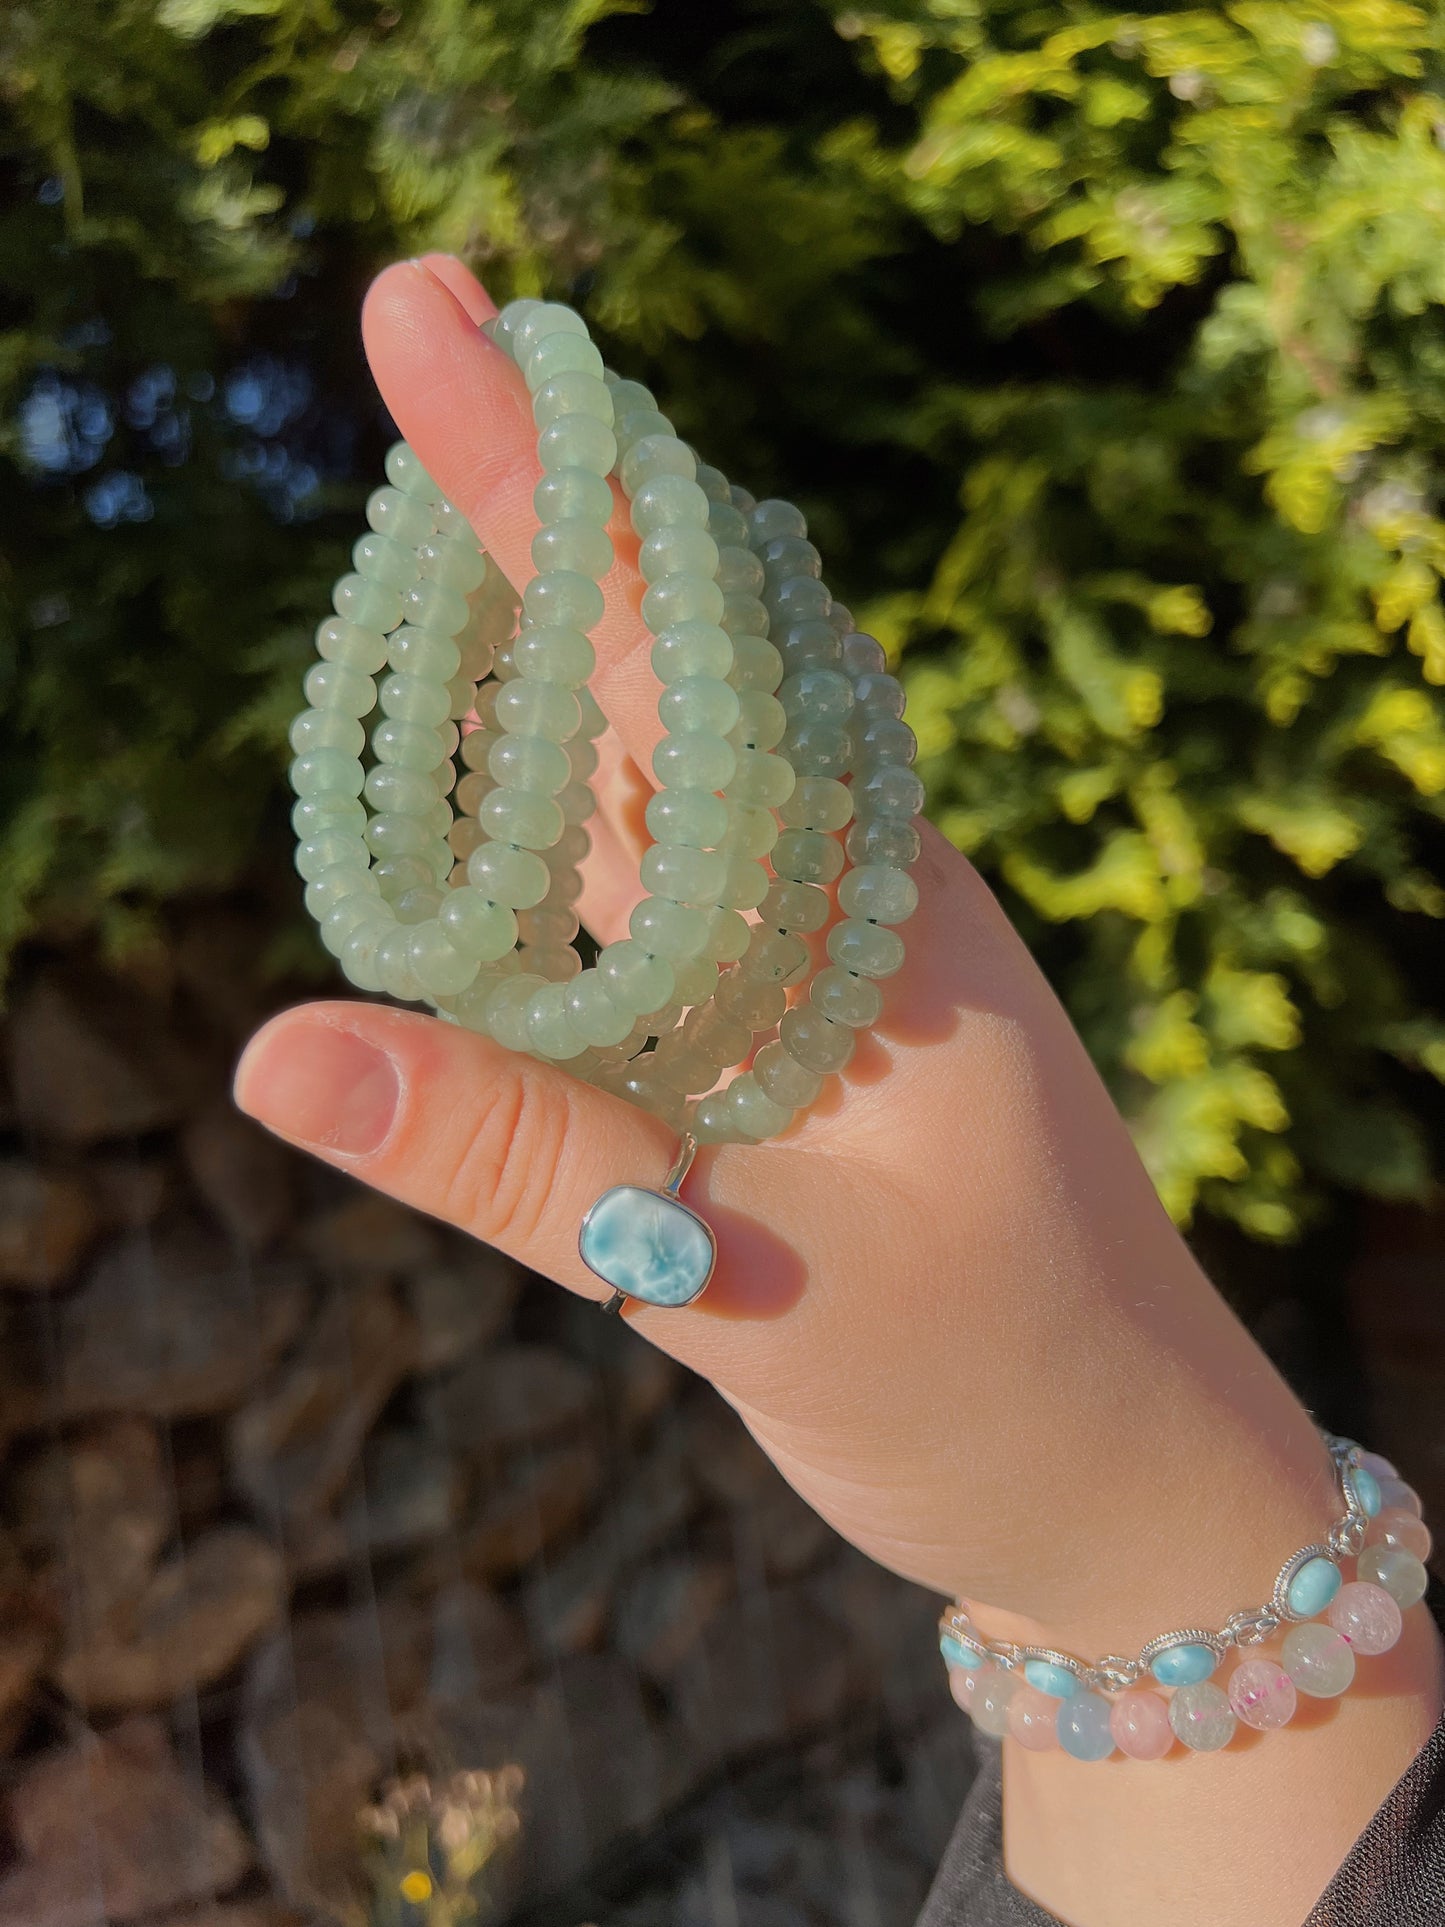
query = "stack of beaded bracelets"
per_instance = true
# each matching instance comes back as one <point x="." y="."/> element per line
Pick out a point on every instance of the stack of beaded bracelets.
<point x="1046" y="1699"/>
<point x="781" y="730"/>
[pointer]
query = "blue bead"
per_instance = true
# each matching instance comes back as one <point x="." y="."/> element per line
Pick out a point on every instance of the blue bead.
<point x="959" y="1655"/>
<point x="1084" y="1727"/>
<point x="650" y="1246"/>
<point x="1057" y="1681"/>
<point x="1366" y="1488"/>
<point x="1313" y="1587"/>
<point x="1183" y="1665"/>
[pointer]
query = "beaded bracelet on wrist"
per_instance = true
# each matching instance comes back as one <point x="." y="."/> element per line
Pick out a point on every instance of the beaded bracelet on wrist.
<point x="1045" y="1699"/>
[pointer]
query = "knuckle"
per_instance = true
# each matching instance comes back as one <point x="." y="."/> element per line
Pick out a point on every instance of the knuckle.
<point x="504" y="1167"/>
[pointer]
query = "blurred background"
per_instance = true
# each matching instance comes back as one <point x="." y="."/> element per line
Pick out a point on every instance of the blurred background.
<point x="345" y="1575"/>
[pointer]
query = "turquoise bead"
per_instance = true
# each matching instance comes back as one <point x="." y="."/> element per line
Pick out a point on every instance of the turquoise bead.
<point x="1313" y="1587"/>
<point x="959" y="1655"/>
<point x="1057" y="1681"/>
<point x="1183" y="1665"/>
<point x="1366" y="1488"/>
<point x="647" y="1245"/>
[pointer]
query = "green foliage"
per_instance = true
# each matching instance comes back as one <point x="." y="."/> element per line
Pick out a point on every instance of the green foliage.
<point x="1104" y="348"/>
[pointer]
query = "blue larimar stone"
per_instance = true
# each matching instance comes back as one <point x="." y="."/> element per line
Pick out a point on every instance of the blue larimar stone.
<point x="650" y="1246"/>
<point x="1057" y="1681"/>
<point x="956" y="1654"/>
<point x="1182" y="1665"/>
<point x="1366" y="1488"/>
<point x="1313" y="1587"/>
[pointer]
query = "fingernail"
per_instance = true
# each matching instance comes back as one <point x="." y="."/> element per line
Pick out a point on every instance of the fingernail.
<point x="321" y="1085"/>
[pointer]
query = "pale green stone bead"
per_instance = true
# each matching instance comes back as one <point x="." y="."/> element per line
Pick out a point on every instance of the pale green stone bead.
<point x="701" y="762"/>
<point x="550" y="1031"/>
<point x="692" y="649"/>
<point x="390" y="512"/>
<point x="406" y="791"/>
<point x="469" y="1007"/>
<point x="577" y="546"/>
<point x="795" y="906"/>
<point x="810" y="644"/>
<point x="678" y="551"/>
<point x="338" y="640"/>
<point x="738" y="570"/>
<point x="310" y="815"/>
<point x="694" y="817"/>
<point x="773" y="518"/>
<point x="476" y="747"/>
<point x="726" y="526"/>
<point x="884" y="839"/>
<point x="753" y="829"/>
<point x="529" y="763"/>
<point x="728" y="933"/>
<point x="818" y="1044"/>
<point x="335" y="685"/>
<point x="395" y="875"/>
<point x="681" y="598"/>
<point x="788" y="556"/>
<point x="404" y="471"/>
<point x="714" y="1034"/>
<point x="416" y="907"/>
<point x="503" y="873"/>
<point x="760" y="778"/>
<point x="776" y="957"/>
<point x="591" y="720"/>
<point x="573" y="494"/>
<point x="670" y="930"/>
<point x="696" y="705"/>
<point x="878" y="695"/>
<point x="473" y="790"/>
<point x="582" y="758"/>
<point x="322" y="772"/>
<point x="878" y="893"/>
<point x="807" y="856"/>
<point x="756" y="663"/>
<point x="750" y="1001"/>
<point x="423" y="652"/>
<point x="517" y="816"/>
<point x="438" y="968"/>
<point x="526" y="708"/>
<point x="865" y="948"/>
<point x="549" y="926"/>
<point x="888" y="791"/>
<point x="713" y="483"/>
<point x="572" y="393"/>
<point x="561" y="354"/>
<point x="554" y="654"/>
<point x="341" y="880"/>
<point x="635" y="978"/>
<point x="558" y="963"/>
<point x="351" y="914"/>
<point x="682" y="874"/>
<point x="563" y="598"/>
<point x="578" y="441"/>
<point x="819" y="749"/>
<point x="799" y="599"/>
<point x="818" y="803"/>
<point x="594" y="1015"/>
<point x="745" y="615"/>
<point x="713" y="1122"/>
<point x="457" y="565"/>
<point x="783" y="1079"/>
<point x="742" y="498"/>
<point x="845" y="999"/>
<point x="681" y="1068"/>
<point x="320" y="853"/>
<point x="542" y="319"/>
<point x="461" y="697"/>
<point x="439" y="819"/>
<point x="753" y="1112"/>
<point x="414" y="699"/>
<point x="371" y="605"/>
<point x="746" y="884"/>
<point x="862" y="655"/>
<point x="884" y="741"/>
<point x="327" y="729"/>
<point x="1395" y="1571"/>
<point x="669" y="502"/>
<point x="478" y="929"/>
<point x="761" y="723"/>
<point x="694" y="981"/>
<point x="357" y="955"/>
<point x="576" y="802"/>
<point x="638" y="422"/>
<point x="390" y="834"/>
<point x="654" y="456"/>
<point x="380" y="559"/>
<point x="506" y="1013"/>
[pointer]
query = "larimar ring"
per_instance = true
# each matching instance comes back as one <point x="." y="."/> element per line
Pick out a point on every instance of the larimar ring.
<point x="649" y="1245"/>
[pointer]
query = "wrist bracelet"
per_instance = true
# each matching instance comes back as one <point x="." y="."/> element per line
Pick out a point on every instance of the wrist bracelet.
<point x="1045" y="1699"/>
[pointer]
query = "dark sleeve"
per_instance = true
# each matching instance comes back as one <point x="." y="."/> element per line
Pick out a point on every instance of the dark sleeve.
<point x="1394" y="1875"/>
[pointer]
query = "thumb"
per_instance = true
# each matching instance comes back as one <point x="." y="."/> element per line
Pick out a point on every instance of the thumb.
<point x="509" y="1149"/>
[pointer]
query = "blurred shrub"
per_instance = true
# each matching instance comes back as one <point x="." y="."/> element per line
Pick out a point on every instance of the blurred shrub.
<point x="1105" y="350"/>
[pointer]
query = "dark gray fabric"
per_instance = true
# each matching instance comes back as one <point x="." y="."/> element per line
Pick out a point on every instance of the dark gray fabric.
<point x="1394" y="1875"/>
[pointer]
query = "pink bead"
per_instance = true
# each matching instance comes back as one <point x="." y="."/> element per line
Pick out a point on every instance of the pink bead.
<point x="1140" y="1725"/>
<point x="1392" y="1527"/>
<point x="1381" y="1467"/>
<point x="1262" y="1694"/>
<point x="1396" y="1496"/>
<point x="1366" y="1616"/>
<point x="1033" y="1719"/>
<point x="962" y="1680"/>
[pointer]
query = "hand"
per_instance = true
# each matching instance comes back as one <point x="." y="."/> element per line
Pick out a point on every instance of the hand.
<point x="948" y="1303"/>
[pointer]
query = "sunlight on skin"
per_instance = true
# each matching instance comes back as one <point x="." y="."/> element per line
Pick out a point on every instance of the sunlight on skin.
<point x="949" y="1305"/>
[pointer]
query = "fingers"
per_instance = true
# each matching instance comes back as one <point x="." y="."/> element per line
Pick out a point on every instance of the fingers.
<point x="464" y="407"/>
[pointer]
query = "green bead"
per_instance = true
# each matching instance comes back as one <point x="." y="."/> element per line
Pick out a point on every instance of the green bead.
<point x="761" y="778"/>
<point x="668" y="502"/>
<point x="576" y="802"/>
<point x="753" y="829"/>
<point x="352" y="913"/>
<point x="751" y="1000"/>
<point x="437" y="967"/>
<point x="761" y="723"/>
<point x="335" y="685"/>
<point x="390" y="834"/>
<point x="698" y="704"/>
<point x="799" y="599"/>
<point x="628" y="395"/>
<point x="755" y="1114"/>
<point x="776" y="958"/>
<point x="380" y="559"/>
<point x="678" y="551"/>
<point x="694" y="980"/>
<point x="845" y="999"/>
<point x="414" y="699"/>
<point x="668" y="930"/>
<point x="637" y="422"/>
<point x="578" y="441"/>
<point x="654" y="456"/>
<point x="395" y="876"/>
<point x="310" y="815"/>
<point x="818" y="1044"/>
<point x="550" y="1031"/>
<point x="404" y="471"/>
<point x="694" y="817"/>
<point x="573" y="494"/>
<point x="331" y="847"/>
<point x="713" y="1121"/>
<point x="338" y="640"/>
<point x="795" y="906"/>
<point x="327" y="729"/>
<point x="322" y="772"/>
<point x="579" y="546"/>
<point x="554" y="654"/>
<point x="884" y="741"/>
<point x="340" y="880"/>
<point x="371" y="605"/>
<point x="725" y="525"/>
<point x="477" y="928"/>
<point x="884" y="839"/>
<point x="807" y="856"/>
<point x="517" y="816"/>
<point x="525" y="708"/>
<point x="702" y="761"/>
<point x="597" y="1019"/>
<point x="414" y="746"/>
<point x="878" y="893"/>
<point x="503" y="873"/>
<point x="888" y="791"/>
<point x="406" y="791"/>
<point x="862" y="655"/>
<point x="817" y="696"/>
<point x="787" y="556"/>
<point x="782" y="1078"/>
<point x="529" y="763"/>
<point x="773" y="518"/>
<point x="635" y="978"/>
<point x="507" y="1010"/>
<point x="819" y="749"/>
<point x="865" y="948"/>
<point x="563" y="598"/>
<point x="425" y="653"/>
<point x="877" y="696"/>
<point x="591" y="721"/>
<point x="561" y="354"/>
<point x="692" y="649"/>
<point x="744" y="615"/>
<point x="390" y="512"/>
<point x="738" y="571"/>
<point x="358" y="953"/>
<point x="541" y="320"/>
<point x="810" y="644"/>
<point x="572" y="393"/>
<point x="728" y="933"/>
<point x="818" y="803"/>
<point x="455" y="564"/>
<point x="682" y="874"/>
<point x="681" y="598"/>
<point x="756" y="663"/>
<point x="746" y="884"/>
